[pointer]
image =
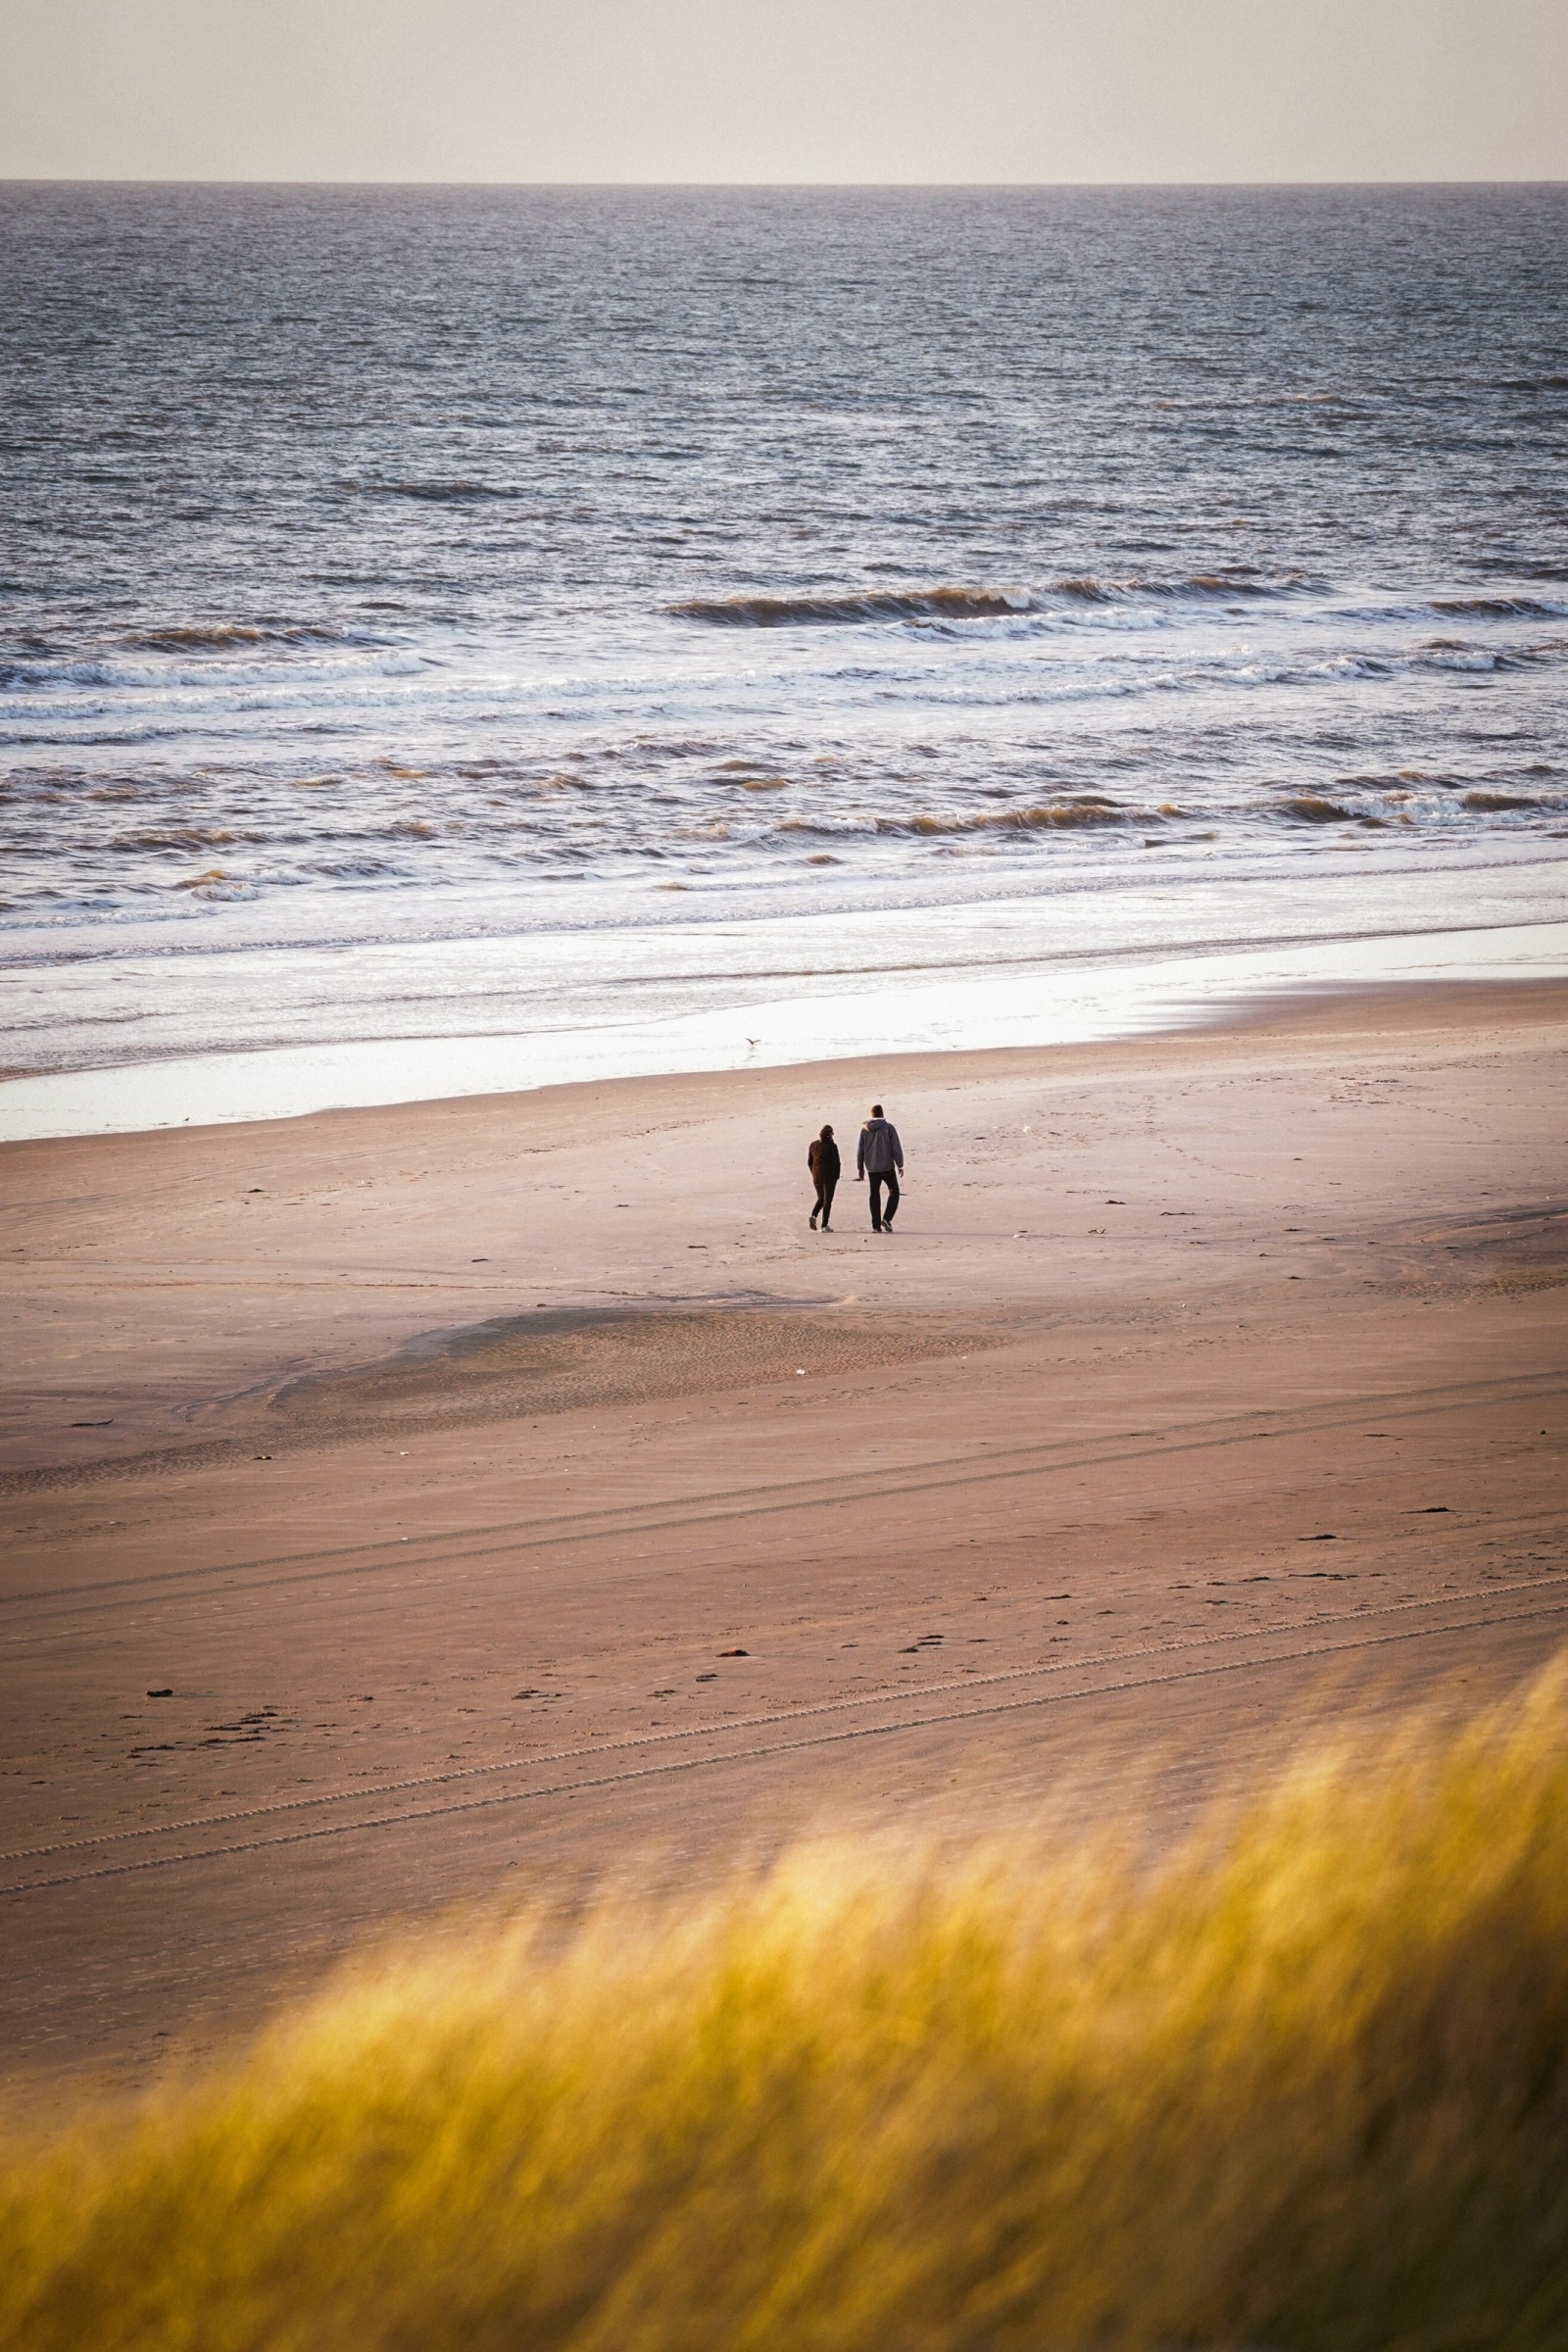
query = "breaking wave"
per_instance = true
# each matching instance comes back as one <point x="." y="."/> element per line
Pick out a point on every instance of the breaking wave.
<point x="221" y="637"/>
<point x="1501" y="608"/>
<point x="1043" y="817"/>
<point x="1310" y="810"/>
<point x="965" y="604"/>
<point x="790" y="611"/>
<point x="1092" y="809"/>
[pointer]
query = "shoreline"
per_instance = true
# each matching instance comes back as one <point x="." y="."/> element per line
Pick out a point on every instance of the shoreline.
<point x="1030" y="1008"/>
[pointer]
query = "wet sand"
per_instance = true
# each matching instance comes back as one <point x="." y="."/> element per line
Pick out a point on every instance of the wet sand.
<point x="511" y="1494"/>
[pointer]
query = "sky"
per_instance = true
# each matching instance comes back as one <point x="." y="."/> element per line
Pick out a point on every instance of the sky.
<point x="784" y="90"/>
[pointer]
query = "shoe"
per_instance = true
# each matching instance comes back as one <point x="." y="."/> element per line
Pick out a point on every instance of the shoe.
<point x="811" y="1221"/>
<point x="876" y="1229"/>
<point x="828" y="1229"/>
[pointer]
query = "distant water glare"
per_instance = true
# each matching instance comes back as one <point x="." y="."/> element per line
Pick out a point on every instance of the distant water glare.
<point x="595" y="620"/>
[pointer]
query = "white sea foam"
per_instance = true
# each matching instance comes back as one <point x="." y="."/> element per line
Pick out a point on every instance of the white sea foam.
<point x="937" y="1011"/>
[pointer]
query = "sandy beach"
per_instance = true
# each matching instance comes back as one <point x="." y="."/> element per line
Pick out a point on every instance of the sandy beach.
<point x="509" y="1494"/>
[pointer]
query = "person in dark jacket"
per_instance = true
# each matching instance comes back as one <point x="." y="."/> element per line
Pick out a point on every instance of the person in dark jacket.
<point x="822" y="1158"/>
<point x="880" y="1156"/>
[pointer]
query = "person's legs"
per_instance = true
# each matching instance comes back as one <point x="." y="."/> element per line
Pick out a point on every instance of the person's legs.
<point x="825" y="1193"/>
<point x="874" y="1185"/>
<point x="822" y="1201"/>
<point x="892" y="1199"/>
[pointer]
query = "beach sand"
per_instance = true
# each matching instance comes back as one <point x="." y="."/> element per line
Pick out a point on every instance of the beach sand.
<point x="511" y="1493"/>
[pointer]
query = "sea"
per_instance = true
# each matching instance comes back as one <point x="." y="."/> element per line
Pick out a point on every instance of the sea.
<point x="468" y="638"/>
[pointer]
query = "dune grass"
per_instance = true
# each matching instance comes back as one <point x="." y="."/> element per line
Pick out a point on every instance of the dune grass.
<point x="1304" y="2086"/>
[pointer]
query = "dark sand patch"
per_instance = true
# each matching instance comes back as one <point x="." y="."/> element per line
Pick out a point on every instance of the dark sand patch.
<point x="1523" y="1247"/>
<point x="565" y="1361"/>
<point x="532" y="1367"/>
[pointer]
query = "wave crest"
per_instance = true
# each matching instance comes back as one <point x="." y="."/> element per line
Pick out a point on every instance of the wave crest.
<point x="1499" y="607"/>
<point x="912" y="604"/>
<point x="229" y="636"/>
<point x="1092" y="809"/>
<point x="1311" y="809"/>
<point x="956" y="603"/>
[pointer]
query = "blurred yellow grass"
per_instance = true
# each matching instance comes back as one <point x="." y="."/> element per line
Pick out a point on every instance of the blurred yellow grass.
<point x="1304" y="2086"/>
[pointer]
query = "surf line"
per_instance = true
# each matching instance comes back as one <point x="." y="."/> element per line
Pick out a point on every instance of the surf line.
<point x="780" y="1747"/>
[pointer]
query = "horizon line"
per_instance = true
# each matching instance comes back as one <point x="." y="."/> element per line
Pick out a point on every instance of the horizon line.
<point x="757" y="187"/>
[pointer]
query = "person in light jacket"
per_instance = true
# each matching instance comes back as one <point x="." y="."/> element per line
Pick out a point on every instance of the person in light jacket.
<point x="822" y="1158"/>
<point x="880" y="1156"/>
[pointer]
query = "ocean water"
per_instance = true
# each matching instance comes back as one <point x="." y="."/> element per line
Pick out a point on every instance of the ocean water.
<point x="460" y="637"/>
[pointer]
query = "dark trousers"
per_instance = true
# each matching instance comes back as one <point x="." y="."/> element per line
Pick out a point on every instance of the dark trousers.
<point x="879" y="1214"/>
<point x="826" y="1187"/>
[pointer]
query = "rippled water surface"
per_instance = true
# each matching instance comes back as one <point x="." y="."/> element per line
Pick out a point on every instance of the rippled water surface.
<point x="536" y="611"/>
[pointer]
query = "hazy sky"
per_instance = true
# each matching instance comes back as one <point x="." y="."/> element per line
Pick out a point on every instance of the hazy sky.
<point x="784" y="89"/>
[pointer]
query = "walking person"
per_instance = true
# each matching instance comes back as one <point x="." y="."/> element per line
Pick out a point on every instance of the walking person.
<point x="822" y="1158"/>
<point x="880" y="1156"/>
